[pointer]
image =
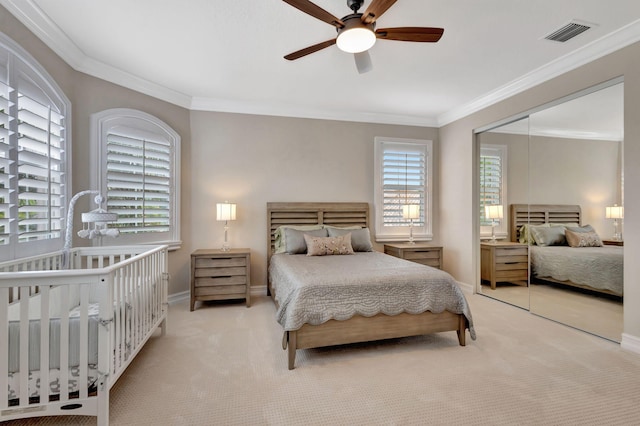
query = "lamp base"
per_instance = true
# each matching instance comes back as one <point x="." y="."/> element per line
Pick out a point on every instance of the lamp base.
<point x="225" y="246"/>
<point x="411" y="232"/>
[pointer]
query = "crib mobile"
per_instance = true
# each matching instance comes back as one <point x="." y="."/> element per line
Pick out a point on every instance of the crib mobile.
<point x="94" y="223"/>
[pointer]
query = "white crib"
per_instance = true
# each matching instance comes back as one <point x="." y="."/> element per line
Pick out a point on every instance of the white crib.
<point x="99" y="313"/>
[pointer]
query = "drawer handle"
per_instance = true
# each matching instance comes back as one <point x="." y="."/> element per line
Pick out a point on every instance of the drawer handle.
<point x="511" y="263"/>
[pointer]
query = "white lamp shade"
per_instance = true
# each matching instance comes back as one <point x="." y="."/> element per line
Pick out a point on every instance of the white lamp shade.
<point x="411" y="211"/>
<point x="614" y="212"/>
<point x="226" y="211"/>
<point x="493" y="211"/>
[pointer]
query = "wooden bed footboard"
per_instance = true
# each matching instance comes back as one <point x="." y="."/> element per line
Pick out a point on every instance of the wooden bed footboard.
<point x="365" y="329"/>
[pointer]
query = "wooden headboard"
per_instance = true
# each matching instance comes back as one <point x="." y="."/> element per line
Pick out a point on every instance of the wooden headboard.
<point x="537" y="214"/>
<point x="335" y="214"/>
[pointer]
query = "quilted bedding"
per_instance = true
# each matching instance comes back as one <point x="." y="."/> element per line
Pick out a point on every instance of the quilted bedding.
<point x="316" y="289"/>
<point x="600" y="268"/>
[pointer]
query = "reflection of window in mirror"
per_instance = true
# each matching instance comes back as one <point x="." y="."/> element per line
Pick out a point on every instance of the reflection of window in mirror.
<point x="493" y="181"/>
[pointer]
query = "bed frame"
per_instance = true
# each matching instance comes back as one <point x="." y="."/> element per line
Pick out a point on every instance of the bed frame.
<point x="537" y="214"/>
<point x="130" y="285"/>
<point x="357" y="328"/>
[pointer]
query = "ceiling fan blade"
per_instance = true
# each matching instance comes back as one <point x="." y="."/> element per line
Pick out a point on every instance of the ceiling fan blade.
<point x="316" y="11"/>
<point x="363" y="62"/>
<point x="311" y="49"/>
<point x="420" y="34"/>
<point x="376" y="9"/>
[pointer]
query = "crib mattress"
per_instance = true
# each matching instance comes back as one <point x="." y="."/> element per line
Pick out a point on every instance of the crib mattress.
<point x="54" y="340"/>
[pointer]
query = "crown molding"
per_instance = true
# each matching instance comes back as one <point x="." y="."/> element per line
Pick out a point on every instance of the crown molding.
<point x="27" y="12"/>
<point x="281" y="110"/>
<point x="610" y="43"/>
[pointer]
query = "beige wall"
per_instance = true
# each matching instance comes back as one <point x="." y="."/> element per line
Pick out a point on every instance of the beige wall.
<point x="89" y="95"/>
<point x="251" y="160"/>
<point x="458" y="153"/>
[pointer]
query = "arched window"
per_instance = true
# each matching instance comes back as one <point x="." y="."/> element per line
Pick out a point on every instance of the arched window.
<point x="137" y="168"/>
<point x="34" y="155"/>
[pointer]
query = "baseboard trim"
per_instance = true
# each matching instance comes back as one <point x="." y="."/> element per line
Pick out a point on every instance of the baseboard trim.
<point x="467" y="288"/>
<point x="630" y="343"/>
<point x="178" y="297"/>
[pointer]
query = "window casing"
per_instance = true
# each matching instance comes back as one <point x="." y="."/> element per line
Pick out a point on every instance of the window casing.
<point x="493" y="187"/>
<point x="137" y="169"/>
<point x="35" y="155"/>
<point x="403" y="175"/>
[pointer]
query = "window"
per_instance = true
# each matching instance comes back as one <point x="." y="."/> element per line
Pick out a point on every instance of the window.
<point x="493" y="187"/>
<point x="34" y="155"/>
<point x="137" y="170"/>
<point x="403" y="175"/>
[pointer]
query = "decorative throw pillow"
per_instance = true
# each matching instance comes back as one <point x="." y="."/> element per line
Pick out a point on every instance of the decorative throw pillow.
<point x="548" y="236"/>
<point x="294" y="239"/>
<point x="322" y="246"/>
<point x="585" y="228"/>
<point x="360" y="238"/>
<point x="583" y="239"/>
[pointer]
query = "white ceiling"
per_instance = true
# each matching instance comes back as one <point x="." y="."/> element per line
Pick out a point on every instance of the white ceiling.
<point x="228" y="55"/>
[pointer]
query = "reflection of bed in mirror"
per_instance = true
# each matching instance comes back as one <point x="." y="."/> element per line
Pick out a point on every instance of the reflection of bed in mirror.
<point x="597" y="269"/>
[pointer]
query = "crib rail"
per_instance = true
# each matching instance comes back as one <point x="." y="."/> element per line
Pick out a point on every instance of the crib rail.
<point x="49" y="322"/>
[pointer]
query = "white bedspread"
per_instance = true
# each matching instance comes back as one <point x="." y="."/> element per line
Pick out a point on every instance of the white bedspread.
<point x="597" y="267"/>
<point x="316" y="289"/>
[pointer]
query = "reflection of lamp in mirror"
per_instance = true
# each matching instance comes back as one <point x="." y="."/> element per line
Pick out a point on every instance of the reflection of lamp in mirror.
<point x="226" y="211"/>
<point x="493" y="212"/>
<point x="615" y="212"/>
<point x="411" y="211"/>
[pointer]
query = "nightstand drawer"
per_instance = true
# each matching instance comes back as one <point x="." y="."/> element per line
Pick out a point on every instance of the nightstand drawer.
<point x="219" y="262"/>
<point x="516" y="251"/>
<point x="221" y="281"/>
<point x="419" y="253"/>
<point x="220" y="272"/>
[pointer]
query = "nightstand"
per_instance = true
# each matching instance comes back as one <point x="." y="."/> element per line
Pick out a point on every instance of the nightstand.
<point x="613" y="243"/>
<point x="220" y="275"/>
<point x="418" y="252"/>
<point x="504" y="261"/>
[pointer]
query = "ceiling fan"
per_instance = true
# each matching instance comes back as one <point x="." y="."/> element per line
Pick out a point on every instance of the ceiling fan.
<point x="357" y="31"/>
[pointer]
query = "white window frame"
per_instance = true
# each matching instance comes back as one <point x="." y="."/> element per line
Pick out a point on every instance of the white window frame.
<point x="21" y="66"/>
<point x="101" y="124"/>
<point x="501" y="229"/>
<point x="423" y="229"/>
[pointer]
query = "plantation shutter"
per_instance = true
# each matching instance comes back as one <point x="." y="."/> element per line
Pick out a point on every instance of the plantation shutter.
<point x="490" y="181"/>
<point x="31" y="166"/>
<point x="138" y="177"/>
<point x="5" y="160"/>
<point x="403" y="181"/>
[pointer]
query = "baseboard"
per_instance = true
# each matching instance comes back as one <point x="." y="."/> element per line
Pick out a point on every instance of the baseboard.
<point x="256" y="290"/>
<point x="178" y="297"/>
<point x="630" y="343"/>
<point x="467" y="288"/>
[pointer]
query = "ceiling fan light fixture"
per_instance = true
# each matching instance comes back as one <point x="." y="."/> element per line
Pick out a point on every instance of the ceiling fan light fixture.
<point x="355" y="36"/>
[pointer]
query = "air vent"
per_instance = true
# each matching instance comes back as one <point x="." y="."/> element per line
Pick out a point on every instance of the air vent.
<point x="568" y="31"/>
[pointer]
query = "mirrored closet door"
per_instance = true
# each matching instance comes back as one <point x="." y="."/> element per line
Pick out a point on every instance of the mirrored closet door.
<point x="561" y="196"/>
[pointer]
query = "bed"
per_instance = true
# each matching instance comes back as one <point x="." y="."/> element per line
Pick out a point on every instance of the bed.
<point x="598" y="269"/>
<point x="76" y="329"/>
<point x="309" y="291"/>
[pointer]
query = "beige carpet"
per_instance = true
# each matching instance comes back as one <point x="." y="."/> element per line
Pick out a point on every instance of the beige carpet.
<point x="223" y="364"/>
<point x="598" y="314"/>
